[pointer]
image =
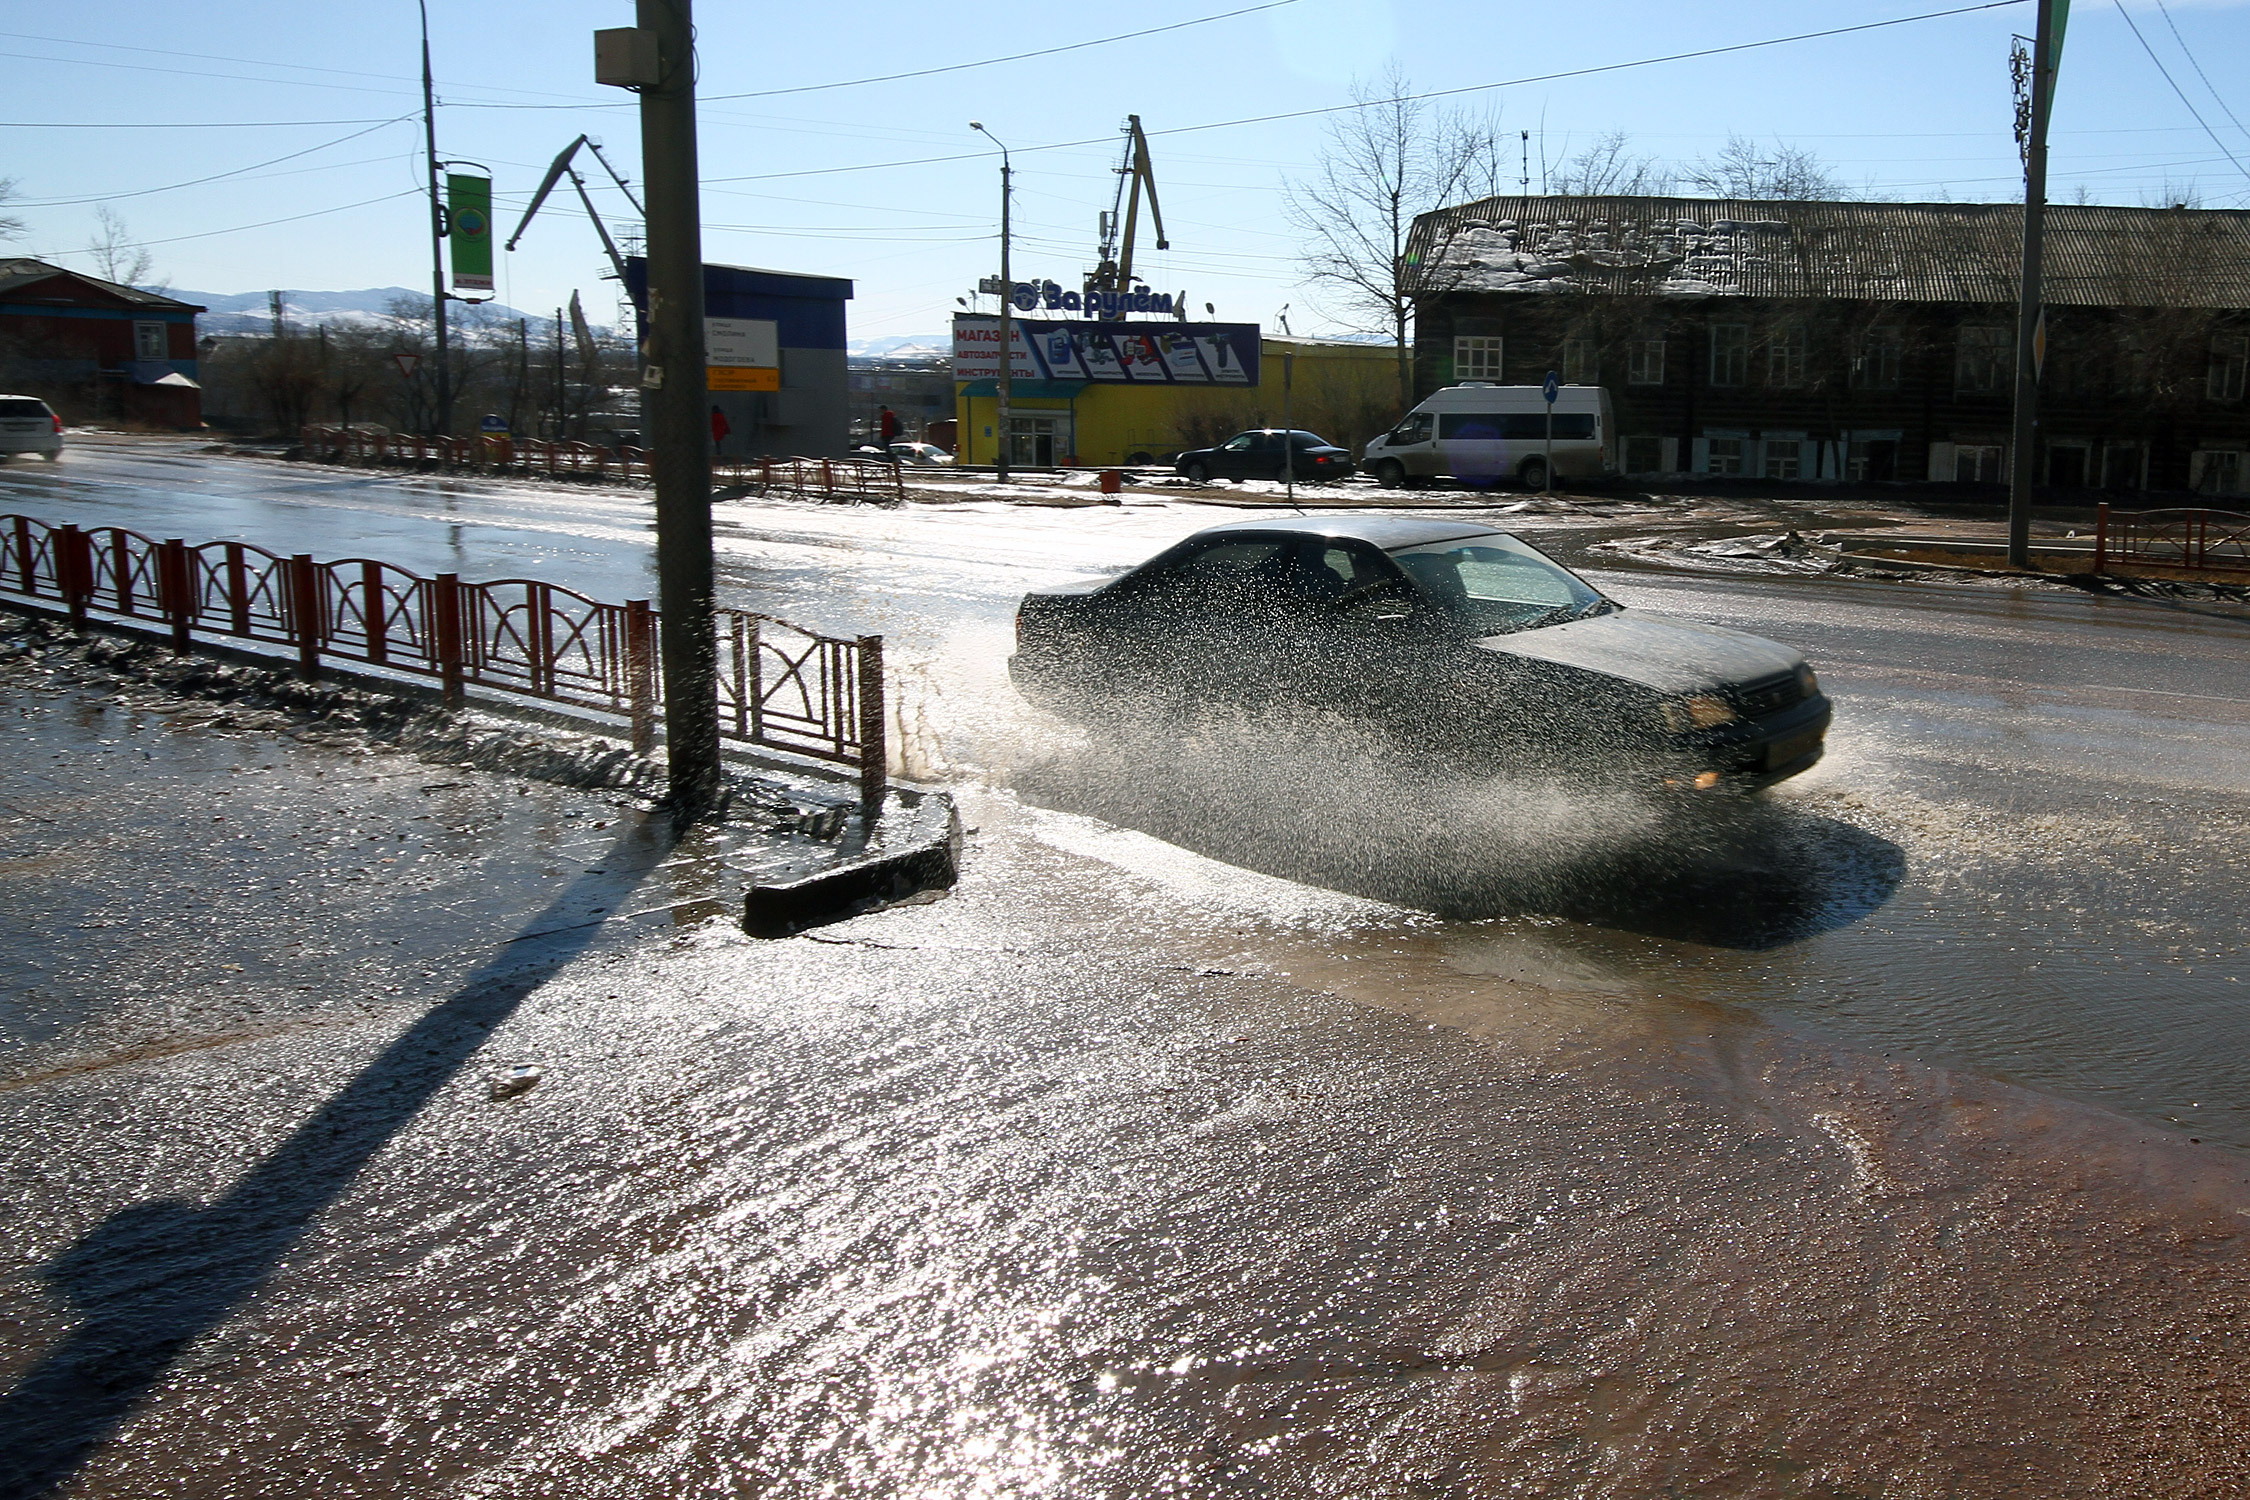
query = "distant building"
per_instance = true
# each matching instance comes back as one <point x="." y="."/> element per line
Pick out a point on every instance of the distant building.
<point x="919" y="390"/>
<point x="95" y="350"/>
<point x="1783" y="340"/>
<point x="802" y="403"/>
<point x="1346" y="391"/>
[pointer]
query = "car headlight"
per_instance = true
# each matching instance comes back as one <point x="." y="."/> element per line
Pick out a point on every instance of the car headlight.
<point x="1807" y="682"/>
<point x="1697" y="711"/>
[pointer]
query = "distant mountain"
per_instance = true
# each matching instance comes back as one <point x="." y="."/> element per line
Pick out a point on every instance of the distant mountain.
<point x="903" y="346"/>
<point x="251" y="312"/>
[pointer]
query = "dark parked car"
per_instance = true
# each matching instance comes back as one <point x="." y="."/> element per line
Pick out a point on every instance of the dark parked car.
<point x="1453" y="638"/>
<point x="1259" y="455"/>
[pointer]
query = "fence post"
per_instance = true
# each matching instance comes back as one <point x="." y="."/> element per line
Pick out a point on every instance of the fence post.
<point x="30" y="573"/>
<point x="304" y="613"/>
<point x="874" y="754"/>
<point x="640" y="673"/>
<point x="374" y="611"/>
<point x="174" y="595"/>
<point x="445" y="633"/>
<point x="74" y="569"/>
<point x="2101" y="537"/>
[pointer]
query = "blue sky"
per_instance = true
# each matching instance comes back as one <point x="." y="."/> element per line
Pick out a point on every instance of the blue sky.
<point x="841" y="181"/>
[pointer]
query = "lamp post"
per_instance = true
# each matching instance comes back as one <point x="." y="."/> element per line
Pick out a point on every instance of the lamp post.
<point x="1288" y="438"/>
<point x="444" y="412"/>
<point x="1007" y="301"/>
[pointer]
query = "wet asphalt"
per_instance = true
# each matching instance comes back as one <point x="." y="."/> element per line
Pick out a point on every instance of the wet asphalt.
<point x="1870" y="1144"/>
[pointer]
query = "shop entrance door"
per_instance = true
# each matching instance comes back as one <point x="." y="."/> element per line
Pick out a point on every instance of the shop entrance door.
<point x="1038" y="442"/>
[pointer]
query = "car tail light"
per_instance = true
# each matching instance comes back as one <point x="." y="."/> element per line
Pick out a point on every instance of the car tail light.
<point x="57" y="421"/>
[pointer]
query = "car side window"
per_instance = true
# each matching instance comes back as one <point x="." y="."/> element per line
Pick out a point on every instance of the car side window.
<point x="1227" y="570"/>
<point x="1240" y="444"/>
<point x="1415" y="429"/>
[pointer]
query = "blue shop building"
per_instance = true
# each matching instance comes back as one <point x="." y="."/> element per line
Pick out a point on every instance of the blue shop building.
<point x="799" y="405"/>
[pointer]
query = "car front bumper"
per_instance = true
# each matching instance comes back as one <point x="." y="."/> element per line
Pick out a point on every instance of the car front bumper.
<point x="1753" y="753"/>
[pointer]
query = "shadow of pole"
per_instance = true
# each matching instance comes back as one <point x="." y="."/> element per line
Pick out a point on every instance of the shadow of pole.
<point x="152" y="1278"/>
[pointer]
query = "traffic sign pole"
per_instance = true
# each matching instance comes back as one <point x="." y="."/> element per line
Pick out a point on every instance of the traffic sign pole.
<point x="1550" y="390"/>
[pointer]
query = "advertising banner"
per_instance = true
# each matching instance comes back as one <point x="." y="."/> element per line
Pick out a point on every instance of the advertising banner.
<point x="1109" y="353"/>
<point x="468" y="205"/>
<point x="742" y="341"/>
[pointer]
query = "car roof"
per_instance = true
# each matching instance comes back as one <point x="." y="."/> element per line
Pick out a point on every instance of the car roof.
<point x="1386" y="532"/>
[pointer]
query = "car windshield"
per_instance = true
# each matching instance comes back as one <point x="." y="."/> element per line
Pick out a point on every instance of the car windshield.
<point x="1308" y="440"/>
<point x="1494" y="583"/>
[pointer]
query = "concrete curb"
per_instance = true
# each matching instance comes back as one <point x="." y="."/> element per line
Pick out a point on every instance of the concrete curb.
<point x="915" y="846"/>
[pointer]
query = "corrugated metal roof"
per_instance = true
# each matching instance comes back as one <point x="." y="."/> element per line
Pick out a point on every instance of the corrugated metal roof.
<point x="21" y="272"/>
<point x="1897" y="252"/>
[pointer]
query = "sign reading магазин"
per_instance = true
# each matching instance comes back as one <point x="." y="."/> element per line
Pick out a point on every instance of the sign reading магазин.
<point x="1111" y="353"/>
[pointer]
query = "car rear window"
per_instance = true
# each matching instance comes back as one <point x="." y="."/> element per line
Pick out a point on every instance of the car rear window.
<point x="20" y="406"/>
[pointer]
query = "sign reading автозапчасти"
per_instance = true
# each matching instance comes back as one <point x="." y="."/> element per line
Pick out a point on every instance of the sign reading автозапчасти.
<point x="1118" y="353"/>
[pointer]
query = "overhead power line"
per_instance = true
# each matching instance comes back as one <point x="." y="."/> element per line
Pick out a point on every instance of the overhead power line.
<point x="412" y="192"/>
<point x="2216" y="96"/>
<point x="2188" y="103"/>
<point x="1127" y="36"/>
<point x="172" y="187"/>
<point x="1472" y="88"/>
<point x="175" y="124"/>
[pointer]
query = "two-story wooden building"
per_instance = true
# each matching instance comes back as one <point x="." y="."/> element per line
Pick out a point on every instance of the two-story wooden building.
<point x="1813" y="340"/>
<point x="97" y="350"/>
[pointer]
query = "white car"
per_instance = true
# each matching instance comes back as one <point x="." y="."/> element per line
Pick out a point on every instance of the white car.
<point x="926" y="454"/>
<point x="29" y="425"/>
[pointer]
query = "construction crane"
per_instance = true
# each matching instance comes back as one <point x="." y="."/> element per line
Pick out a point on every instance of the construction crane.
<point x="554" y="175"/>
<point x="1114" y="273"/>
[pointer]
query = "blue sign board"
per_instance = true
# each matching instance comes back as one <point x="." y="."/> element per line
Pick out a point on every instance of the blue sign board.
<point x="1109" y="353"/>
<point x="1553" y="388"/>
<point x="493" y="422"/>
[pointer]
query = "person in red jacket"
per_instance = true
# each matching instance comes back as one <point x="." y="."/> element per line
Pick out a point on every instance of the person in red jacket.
<point x="720" y="427"/>
<point x="887" y="421"/>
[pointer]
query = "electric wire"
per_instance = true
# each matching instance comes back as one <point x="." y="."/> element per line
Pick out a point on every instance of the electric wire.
<point x="1473" y="88"/>
<point x="2216" y="97"/>
<point x="2184" y="100"/>
<point x="412" y="192"/>
<point x="1128" y="36"/>
<point x="174" y="187"/>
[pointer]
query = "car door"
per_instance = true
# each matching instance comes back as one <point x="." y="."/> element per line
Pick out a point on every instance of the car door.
<point x="1367" y="649"/>
<point x="1232" y="460"/>
<point x="1203" y="623"/>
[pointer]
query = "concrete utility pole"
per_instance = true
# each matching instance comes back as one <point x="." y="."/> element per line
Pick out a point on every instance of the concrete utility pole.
<point x="656" y="58"/>
<point x="2024" y="453"/>
<point x="437" y="235"/>
<point x="1007" y="306"/>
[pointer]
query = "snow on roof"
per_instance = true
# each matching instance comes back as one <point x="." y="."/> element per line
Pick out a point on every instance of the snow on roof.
<point x="1916" y="252"/>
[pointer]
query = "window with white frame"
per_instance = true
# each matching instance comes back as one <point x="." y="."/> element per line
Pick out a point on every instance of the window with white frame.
<point x="1983" y="361"/>
<point x="1476" y="359"/>
<point x="1580" y="366"/>
<point x="1784" y="457"/>
<point x="1785" y="360"/>
<point x="1980" y="463"/>
<point x="148" y="341"/>
<point x="2230" y="357"/>
<point x="1876" y="357"/>
<point x="1730" y="353"/>
<point x="1728" y="455"/>
<point x="2217" y="471"/>
<point x="1644" y="362"/>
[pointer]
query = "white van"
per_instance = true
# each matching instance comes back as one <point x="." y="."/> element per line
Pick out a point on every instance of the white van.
<point x="1483" y="434"/>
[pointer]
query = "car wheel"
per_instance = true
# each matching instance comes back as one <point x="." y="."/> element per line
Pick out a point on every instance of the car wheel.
<point x="1533" y="474"/>
<point x="1391" y="474"/>
<point x="1199" y="473"/>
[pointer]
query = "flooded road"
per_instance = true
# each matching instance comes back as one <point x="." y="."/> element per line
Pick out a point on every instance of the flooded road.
<point x="2024" y="853"/>
<point x="1186" y="1148"/>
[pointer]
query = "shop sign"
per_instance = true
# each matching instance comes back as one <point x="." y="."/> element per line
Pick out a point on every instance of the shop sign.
<point x="1109" y="353"/>
<point x="1048" y="296"/>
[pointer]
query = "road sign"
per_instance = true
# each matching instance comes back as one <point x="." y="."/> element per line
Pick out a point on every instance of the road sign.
<point x="407" y="364"/>
<point x="492" y="422"/>
<point x="991" y="286"/>
<point x="741" y="378"/>
<point x="1552" y="389"/>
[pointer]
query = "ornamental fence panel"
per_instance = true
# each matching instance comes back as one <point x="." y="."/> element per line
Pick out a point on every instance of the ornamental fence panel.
<point x="780" y="686"/>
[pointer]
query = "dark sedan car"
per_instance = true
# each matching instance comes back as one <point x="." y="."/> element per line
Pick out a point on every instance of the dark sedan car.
<point x="1259" y="454"/>
<point x="1453" y="638"/>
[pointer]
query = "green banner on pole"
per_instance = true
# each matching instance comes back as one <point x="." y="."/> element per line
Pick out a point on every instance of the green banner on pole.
<point x="468" y="205"/>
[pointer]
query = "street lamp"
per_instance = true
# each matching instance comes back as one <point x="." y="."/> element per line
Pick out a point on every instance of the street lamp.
<point x="1007" y="301"/>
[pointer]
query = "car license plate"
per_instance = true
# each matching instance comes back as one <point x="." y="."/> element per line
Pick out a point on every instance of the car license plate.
<point x="1781" y="752"/>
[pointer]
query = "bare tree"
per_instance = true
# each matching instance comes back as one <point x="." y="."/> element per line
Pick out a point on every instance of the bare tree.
<point x="1386" y="162"/>
<point x="1745" y="169"/>
<point x="115" y="252"/>
<point x="1608" y="168"/>
<point x="11" y="227"/>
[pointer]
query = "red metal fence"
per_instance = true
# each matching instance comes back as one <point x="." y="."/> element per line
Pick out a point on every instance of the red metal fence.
<point x="2193" y="539"/>
<point x="781" y="687"/>
<point x="829" y="480"/>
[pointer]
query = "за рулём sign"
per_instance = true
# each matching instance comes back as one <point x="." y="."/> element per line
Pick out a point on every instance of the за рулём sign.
<point x="1032" y="296"/>
<point x="1119" y="353"/>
